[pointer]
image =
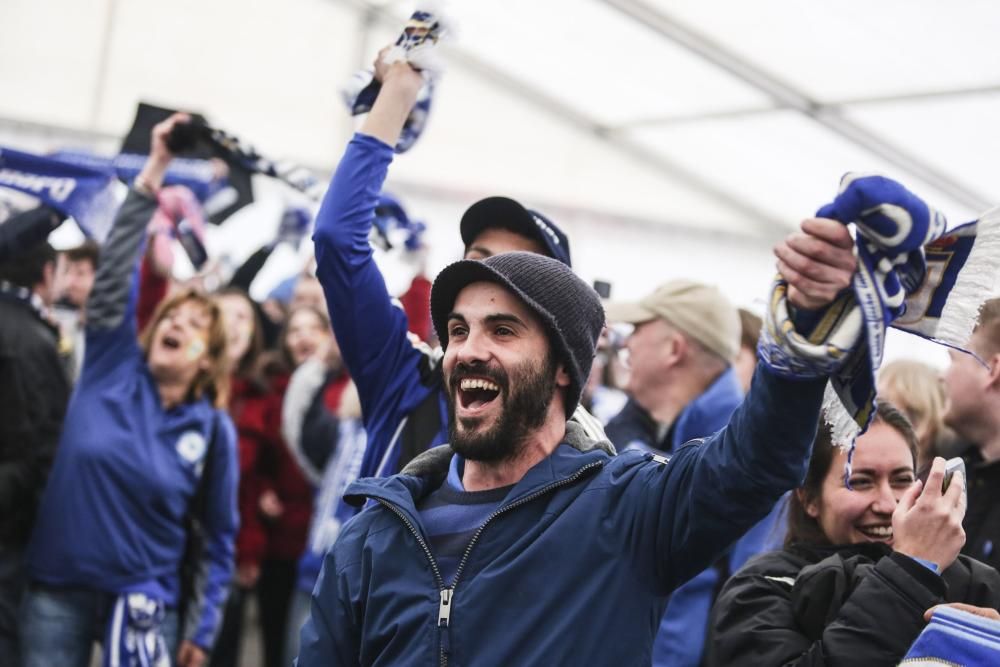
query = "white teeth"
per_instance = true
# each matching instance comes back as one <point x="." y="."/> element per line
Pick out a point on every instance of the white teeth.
<point x="878" y="531"/>
<point x="476" y="383"/>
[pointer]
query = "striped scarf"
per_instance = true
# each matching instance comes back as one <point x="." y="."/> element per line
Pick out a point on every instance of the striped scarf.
<point x="912" y="275"/>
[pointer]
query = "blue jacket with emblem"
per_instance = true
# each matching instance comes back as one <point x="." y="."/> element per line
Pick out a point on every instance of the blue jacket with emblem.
<point x="576" y="565"/>
<point x="126" y="470"/>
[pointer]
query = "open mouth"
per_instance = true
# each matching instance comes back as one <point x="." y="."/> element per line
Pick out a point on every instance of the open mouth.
<point x="171" y="343"/>
<point x="477" y="393"/>
<point x="880" y="532"/>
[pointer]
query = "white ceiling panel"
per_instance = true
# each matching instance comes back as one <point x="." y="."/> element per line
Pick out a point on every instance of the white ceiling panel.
<point x="528" y="154"/>
<point x="781" y="161"/>
<point x="586" y="55"/>
<point x="49" y="60"/>
<point x="959" y="136"/>
<point x="855" y="48"/>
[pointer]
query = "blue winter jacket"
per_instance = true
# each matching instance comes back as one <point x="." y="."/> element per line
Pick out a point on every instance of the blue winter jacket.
<point x="574" y="568"/>
<point x="392" y="376"/>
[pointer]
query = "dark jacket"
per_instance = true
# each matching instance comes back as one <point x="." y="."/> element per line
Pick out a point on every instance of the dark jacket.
<point x="35" y="391"/>
<point x="982" y="519"/>
<point x="575" y="566"/>
<point x="853" y="605"/>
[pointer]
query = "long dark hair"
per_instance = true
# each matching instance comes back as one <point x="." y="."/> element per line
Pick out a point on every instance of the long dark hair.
<point x="248" y="366"/>
<point x="804" y="529"/>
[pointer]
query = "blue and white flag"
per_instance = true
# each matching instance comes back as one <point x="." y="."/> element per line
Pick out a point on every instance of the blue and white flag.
<point x="955" y="637"/>
<point x="912" y="275"/>
<point x="83" y="193"/>
<point x="202" y="177"/>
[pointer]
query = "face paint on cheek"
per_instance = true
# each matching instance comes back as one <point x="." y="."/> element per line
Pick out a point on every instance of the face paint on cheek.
<point x="195" y="349"/>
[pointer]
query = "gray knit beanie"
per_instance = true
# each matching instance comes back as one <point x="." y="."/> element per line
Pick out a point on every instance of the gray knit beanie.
<point x="569" y="308"/>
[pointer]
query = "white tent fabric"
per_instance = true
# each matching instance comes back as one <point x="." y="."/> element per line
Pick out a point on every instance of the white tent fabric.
<point x="670" y="137"/>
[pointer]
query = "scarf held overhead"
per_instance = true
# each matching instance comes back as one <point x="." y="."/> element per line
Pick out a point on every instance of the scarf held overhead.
<point x="912" y="275"/>
<point x="417" y="45"/>
<point x="83" y="193"/>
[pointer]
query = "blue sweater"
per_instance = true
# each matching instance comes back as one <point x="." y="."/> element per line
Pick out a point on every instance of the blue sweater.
<point x="392" y="376"/>
<point x="575" y="567"/>
<point x="112" y="516"/>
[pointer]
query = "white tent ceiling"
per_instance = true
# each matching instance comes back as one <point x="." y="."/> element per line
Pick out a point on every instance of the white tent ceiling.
<point x="690" y="124"/>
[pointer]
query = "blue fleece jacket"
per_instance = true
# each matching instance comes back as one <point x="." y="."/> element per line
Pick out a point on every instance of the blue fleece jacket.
<point x="113" y="513"/>
<point x="575" y="567"/>
<point x="392" y="376"/>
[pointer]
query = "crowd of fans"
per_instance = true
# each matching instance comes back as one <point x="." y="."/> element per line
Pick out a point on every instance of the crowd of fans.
<point x="167" y="452"/>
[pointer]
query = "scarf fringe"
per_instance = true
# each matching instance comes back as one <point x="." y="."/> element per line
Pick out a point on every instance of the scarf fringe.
<point x="976" y="280"/>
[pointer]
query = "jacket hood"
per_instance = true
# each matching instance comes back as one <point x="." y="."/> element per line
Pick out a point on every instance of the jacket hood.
<point x="435" y="461"/>
<point x="580" y="447"/>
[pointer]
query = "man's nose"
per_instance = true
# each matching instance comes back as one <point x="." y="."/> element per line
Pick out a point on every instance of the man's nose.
<point x="474" y="348"/>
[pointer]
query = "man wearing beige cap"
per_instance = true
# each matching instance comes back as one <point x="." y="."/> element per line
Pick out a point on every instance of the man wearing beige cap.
<point x="681" y="383"/>
<point x="681" y="386"/>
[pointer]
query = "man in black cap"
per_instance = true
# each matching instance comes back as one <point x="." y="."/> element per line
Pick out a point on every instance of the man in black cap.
<point x="525" y="542"/>
<point x="400" y="385"/>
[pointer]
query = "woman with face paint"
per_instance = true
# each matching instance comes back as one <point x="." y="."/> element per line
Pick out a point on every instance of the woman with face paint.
<point x="146" y="452"/>
<point x="865" y="558"/>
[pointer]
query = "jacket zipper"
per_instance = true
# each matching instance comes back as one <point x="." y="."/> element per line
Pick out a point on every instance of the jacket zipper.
<point x="448" y="592"/>
<point x="444" y="609"/>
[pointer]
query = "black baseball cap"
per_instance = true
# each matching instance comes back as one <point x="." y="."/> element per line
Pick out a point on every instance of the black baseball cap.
<point x="505" y="213"/>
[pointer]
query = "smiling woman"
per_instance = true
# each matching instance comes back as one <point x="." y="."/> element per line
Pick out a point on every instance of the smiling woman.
<point x="862" y="561"/>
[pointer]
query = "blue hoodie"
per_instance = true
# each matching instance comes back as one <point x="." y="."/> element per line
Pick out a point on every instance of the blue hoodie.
<point x="576" y="565"/>
<point x="113" y="513"/>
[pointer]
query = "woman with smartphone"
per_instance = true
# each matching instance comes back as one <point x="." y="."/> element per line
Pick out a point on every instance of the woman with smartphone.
<point x="865" y="558"/>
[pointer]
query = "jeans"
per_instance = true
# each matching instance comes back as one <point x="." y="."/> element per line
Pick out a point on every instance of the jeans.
<point x="60" y="625"/>
<point x="11" y="593"/>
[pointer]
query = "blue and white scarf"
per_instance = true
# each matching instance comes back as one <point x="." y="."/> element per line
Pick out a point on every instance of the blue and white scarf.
<point x="83" y="193"/>
<point x="955" y="637"/>
<point x="417" y="45"/>
<point x="292" y="174"/>
<point x="912" y="275"/>
<point x="134" y="634"/>
<point x="201" y="177"/>
<point x="330" y="512"/>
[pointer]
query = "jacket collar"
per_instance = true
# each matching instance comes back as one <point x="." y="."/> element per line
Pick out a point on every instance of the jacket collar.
<point x="427" y="471"/>
<point x="723" y="395"/>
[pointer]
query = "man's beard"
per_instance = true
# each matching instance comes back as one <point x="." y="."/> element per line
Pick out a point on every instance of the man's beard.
<point x="524" y="409"/>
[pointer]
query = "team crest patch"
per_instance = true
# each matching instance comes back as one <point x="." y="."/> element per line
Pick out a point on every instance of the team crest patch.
<point x="191" y="446"/>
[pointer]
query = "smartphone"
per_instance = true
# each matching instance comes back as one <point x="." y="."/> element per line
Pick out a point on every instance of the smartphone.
<point x="951" y="466"/>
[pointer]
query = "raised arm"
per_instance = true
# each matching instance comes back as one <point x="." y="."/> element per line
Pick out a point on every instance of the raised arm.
<point x="370" y="330"/>
<point x="711" y="492"/>
<point x="111" y="322"/>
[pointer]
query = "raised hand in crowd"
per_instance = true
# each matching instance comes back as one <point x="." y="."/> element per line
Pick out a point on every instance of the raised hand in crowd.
<point x="400" y="86"/>
<point x="985" y="612"/>
<point x="160" y="155"/>
<point x="927" y="523"/>
<point x="818" y="262"/>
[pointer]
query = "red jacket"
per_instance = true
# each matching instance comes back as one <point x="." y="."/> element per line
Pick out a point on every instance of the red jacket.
<point x="266" y="464"/>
